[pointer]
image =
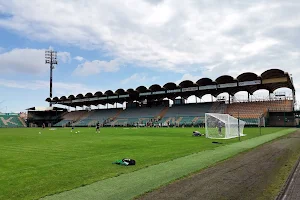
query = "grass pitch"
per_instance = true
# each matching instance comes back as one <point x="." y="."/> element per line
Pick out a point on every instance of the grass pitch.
<point x="34" y="165"/>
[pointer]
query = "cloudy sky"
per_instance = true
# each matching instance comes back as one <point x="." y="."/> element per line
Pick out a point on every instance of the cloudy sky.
<point x="126" y="43"/>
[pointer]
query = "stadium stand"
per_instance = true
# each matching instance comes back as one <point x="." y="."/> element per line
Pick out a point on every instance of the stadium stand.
<point x="42" y="116"/>
<point x="218" y="107"/>
<point x="141" y="112"/>
<point x="251" y="111"/>
<point x="102" y="116"/>
<point x="71" y="117"/>
<point x="181" y="113"/>
<point x="151" y="106"/>
<point x="140" y="115"/>
<point x="186" y="114"/>
<point x="11" y="121"/>
<point x="37" y="116"/>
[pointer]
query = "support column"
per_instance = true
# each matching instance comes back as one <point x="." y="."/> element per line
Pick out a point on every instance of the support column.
<point x="294" y="100"/>
<point x="229" y="98"/>
<point x="248" y="96"/>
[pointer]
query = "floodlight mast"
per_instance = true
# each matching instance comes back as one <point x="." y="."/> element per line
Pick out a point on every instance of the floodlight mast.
<point x="51" y="58"/>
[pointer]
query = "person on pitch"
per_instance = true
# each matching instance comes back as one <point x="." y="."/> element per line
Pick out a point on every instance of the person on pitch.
<point x="220" y="127"/>
<point x="98" y="127"/>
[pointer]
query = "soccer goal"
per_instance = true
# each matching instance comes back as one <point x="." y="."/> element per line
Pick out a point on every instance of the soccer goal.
<point x="223" y="126"/>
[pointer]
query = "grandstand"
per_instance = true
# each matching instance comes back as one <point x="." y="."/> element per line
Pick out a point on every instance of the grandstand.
<point x="71" y="117"/>
<point x="186" y="114"/>
<point x="37" y="116"/>
<point x="151" y="106"/>
<point x="148" y="105"/>
<point x="175" y="115"/>
<point x="139" y="115"/>
<point x="251" y="111"/>
<point x="102" y="116"/>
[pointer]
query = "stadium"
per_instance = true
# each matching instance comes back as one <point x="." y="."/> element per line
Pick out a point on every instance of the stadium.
<point x="55" y="153"/>
<point x="151" y="106"/>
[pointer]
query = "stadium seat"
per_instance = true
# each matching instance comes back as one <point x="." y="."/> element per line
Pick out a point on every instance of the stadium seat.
<point x="251" y="111"/>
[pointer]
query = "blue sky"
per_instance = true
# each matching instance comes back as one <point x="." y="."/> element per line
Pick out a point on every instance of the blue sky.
<point x="124" y="44"/>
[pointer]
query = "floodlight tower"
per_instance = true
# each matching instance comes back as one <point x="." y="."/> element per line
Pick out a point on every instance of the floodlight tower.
<point x="51" y="58"/>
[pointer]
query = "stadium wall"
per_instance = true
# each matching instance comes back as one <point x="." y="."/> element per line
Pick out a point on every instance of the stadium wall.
<point x="11" y="120"/>
<point x="281" y="119"/>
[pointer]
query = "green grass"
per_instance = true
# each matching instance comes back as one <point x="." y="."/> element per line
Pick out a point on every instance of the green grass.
<point x="35" y="165"/>
<point x="155" y="176"/>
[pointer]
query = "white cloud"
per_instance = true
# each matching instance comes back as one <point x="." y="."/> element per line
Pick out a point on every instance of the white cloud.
<point x="31" y="61"/>
<point x="64" y="88"/>
<point x="79" y="58"/>
<point x="212" y="39"/>
<point x="23" y="60"/>
<point x="166" y="35"/>
<point x="95" y="67"/>
<point x="161" y="15"/>
<point x="189" y="77"/>
<point x="59" y="88"/>
<point x="133" y="78"/>
<point x="31" y="85"/>
<point x="139" y="79"/>
<point x="162" y="34"/>
<point x="258" y="46"/>
<point x="65" y="57"/>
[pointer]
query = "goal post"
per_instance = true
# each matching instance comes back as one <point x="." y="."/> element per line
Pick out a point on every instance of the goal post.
<point x="261" y="121"/>
<point x="223" y="126"/>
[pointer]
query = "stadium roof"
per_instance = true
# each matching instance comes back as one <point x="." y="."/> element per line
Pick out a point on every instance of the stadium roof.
<point x="270" y="80"/>
<point x="45" y="109"/>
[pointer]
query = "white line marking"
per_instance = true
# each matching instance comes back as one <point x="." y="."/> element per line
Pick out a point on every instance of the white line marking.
<point x="284" y="197"/>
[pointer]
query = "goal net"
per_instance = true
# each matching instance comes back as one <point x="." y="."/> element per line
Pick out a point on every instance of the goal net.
<point x="223" y="126"/>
